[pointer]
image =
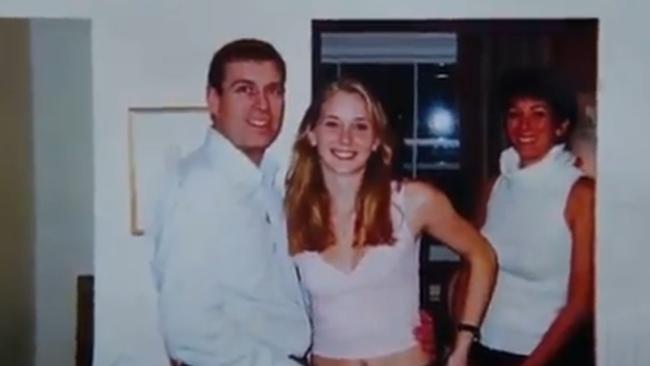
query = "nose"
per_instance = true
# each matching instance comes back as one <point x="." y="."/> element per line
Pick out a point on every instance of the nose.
<point x="345" y="136"/>
<point x="526" y="123"/>
<point x="262" y="101"/>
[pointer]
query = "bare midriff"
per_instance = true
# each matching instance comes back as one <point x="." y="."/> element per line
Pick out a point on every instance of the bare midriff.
<point x="413" y="356"/>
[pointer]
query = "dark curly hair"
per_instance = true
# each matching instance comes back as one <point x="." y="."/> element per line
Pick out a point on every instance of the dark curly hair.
<point x="543" y="84"/>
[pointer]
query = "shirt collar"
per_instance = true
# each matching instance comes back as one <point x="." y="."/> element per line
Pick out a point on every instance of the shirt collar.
<point x="235" y="165"/>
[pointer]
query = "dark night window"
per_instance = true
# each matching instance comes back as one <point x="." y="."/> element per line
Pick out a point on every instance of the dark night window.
<point x="413" y="76"/>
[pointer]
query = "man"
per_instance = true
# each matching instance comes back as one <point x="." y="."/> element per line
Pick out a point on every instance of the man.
<point x="228" y="291"/>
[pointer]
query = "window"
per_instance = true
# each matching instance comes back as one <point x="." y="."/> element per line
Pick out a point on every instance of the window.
<point x="413" y="76"/>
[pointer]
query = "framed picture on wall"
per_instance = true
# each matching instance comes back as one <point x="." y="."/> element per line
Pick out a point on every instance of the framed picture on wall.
<point x="158" y="137"/>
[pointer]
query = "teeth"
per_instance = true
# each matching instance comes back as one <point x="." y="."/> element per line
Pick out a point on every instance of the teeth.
<point x="259" y="122"/>
<point x="526" y="140"/>
<point x="344" y="155"/>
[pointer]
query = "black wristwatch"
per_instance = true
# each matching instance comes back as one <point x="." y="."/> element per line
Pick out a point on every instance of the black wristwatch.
<point x="476" y="331"/>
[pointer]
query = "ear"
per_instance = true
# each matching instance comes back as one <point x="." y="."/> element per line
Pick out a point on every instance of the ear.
<point x="375" y="145"/>
<point x="562" y="128"/>
<point x="213" y="100"/>
<point x="311" y="137"/>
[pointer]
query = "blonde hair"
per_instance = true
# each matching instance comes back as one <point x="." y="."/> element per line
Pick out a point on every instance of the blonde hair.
<point x="307" y="200"/>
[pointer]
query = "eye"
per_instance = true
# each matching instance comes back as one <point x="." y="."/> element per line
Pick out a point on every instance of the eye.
<point x="330" y="123"/>
<point x="540" y="113"/>
<point x="362" y="126"/>
<point x="513" y="113"/>
<point x="277" y="90"/>
<point x="244" y="89"/>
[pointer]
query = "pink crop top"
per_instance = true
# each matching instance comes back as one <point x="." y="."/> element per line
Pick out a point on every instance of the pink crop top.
<point x="371" y="311"/>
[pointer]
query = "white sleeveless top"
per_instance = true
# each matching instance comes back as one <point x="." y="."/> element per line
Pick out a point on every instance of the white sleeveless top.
<point x="526" y="226"/>
<point x="371" y="311"/>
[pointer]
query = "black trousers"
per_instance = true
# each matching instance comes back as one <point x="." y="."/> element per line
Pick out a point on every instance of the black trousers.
<point x="579" y="351"/>
<point x="483" y="356"/>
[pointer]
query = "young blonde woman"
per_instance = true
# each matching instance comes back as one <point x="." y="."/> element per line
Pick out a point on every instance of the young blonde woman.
<point x="353" y="232"/>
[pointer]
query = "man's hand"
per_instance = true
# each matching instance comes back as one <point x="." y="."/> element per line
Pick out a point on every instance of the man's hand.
<point x="425" y="334"/>
<point x="456" y="359"/>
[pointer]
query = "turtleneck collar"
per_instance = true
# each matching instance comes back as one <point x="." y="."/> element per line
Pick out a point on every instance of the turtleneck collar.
<point x="556" y="156"/>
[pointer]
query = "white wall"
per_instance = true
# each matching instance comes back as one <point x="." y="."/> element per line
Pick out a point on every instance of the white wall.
<point x="16" y="197"/>
<point x="45" y="8"/>
<point x="63" y="180"/>
<point x="47" y="186"/>
<point x="623" y="298"/>
<point x="158" y="56"/>
<point x="146" y="54"/>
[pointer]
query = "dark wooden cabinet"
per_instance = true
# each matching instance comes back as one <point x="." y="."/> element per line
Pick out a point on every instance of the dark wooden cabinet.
<point x="85" y="320"/>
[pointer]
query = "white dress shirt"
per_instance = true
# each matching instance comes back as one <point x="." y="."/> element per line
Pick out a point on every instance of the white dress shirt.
<point x="228" y="291"/>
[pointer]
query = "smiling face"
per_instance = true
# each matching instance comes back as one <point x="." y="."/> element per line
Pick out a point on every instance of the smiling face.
<point x="249" y="106"/>
<point x="532" y="129"/>
<point x="344" y="135"/>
